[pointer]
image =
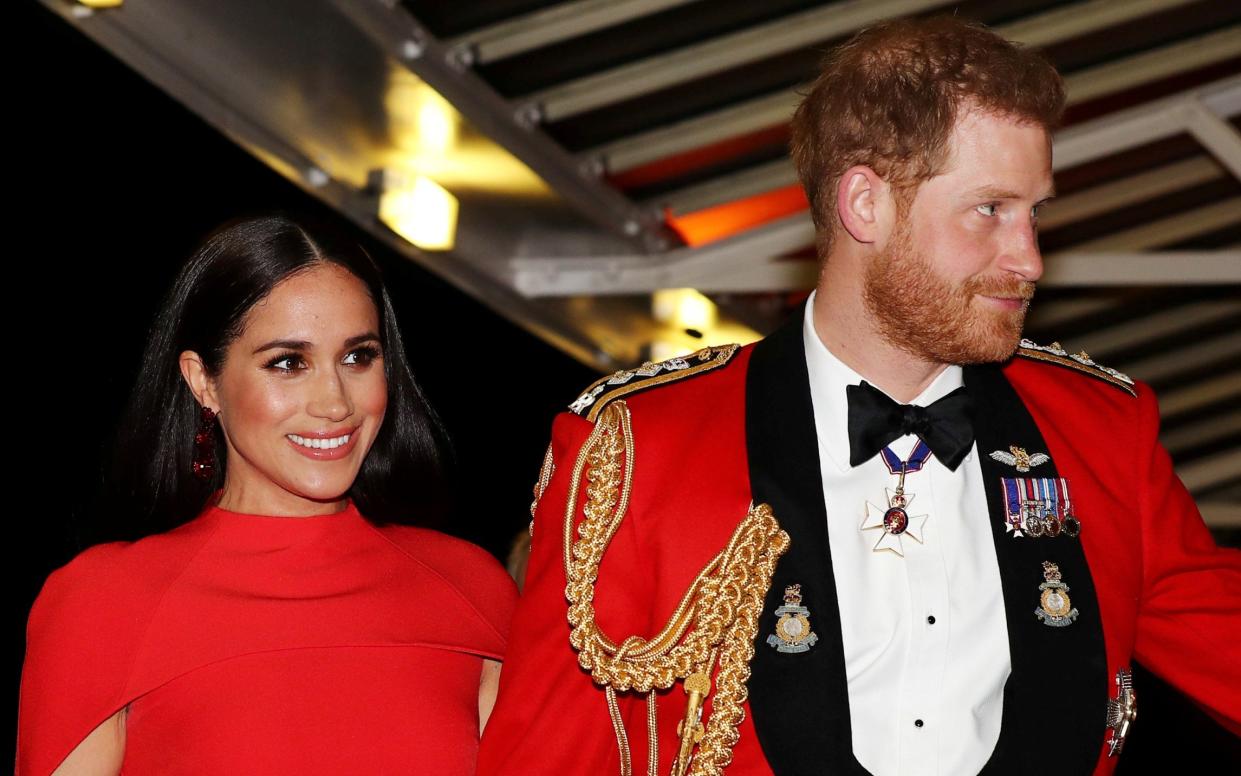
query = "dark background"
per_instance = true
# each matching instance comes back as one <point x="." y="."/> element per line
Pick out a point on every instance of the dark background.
<point x="115" y="183"/>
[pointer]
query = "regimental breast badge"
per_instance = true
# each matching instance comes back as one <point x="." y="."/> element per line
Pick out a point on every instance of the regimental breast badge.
<point x="793" y="632"/>
<point x="1055" y="607"/>
<point x="1038" y="507"/>
<point x="1121" y="711"/>
<point x="1018" y="458"/>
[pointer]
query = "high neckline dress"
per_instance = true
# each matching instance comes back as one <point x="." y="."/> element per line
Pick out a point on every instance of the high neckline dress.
<point x="254" y="644"/>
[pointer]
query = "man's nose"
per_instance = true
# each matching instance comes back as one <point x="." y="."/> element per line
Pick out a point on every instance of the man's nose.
<point x="1022" y="256"/>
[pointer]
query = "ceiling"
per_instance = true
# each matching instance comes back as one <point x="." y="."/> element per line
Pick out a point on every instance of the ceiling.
<point x="607" y="149"/>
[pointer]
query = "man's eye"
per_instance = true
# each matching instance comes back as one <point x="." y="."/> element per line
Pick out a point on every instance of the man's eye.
<point x="988" y="210"/>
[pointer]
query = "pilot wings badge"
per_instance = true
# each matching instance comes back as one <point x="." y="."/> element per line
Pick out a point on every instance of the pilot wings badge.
<point x="1018" y="458"/>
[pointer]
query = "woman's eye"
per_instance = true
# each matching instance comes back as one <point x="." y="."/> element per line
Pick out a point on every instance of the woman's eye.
<point x="988" y="210"/>
<point x="287" y="363"/>
<point x="362" y="356"/>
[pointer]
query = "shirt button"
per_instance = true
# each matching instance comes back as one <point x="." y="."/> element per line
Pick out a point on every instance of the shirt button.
<point x="930" y="620"/>
<point x="917" y="723"/>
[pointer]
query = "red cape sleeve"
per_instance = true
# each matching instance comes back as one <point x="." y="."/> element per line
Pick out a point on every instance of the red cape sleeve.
<point x="80" y="638"/>
<point x="1189" y="618"/>
<point x="549" y="717"/>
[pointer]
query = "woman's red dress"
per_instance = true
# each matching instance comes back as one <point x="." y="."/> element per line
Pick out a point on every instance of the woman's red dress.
<point x="251" y="644"/>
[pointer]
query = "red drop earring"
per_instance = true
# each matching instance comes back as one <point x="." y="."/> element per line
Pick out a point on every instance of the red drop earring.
<point x="204" y="444"/>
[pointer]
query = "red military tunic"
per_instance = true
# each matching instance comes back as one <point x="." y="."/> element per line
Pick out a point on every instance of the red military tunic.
<point x="1145" y="574"/>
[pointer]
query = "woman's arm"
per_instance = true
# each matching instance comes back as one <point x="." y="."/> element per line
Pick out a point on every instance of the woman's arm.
<point x="101" y="752"/>
<point x="488" y="683"/>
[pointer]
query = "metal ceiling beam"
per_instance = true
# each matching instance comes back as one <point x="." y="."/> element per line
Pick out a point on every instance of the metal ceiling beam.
<point x="641" y="274"/>
<point x="750" y="181"/>
<point x="1219" y="137"/>
<point x="1146" y="123"/>
<point x="636" y="150"/>
<point x="1161" y="268"/>
<point x="1204" y="473"/>
<point x="404" y="39"/>
<point x="1152" y="65"/>
<point x="1101" y="342"/>
<point x="1128" y="191"/>
<point x="1187" y="114"/>
<point x="1200" y="394"/>
<point x="1058" y="312"/>
<point x="1173" y="229"/>
<point x="718" y="54"/>
<point x="775" y="109"/>
<point x="1079" y="19"/>
<point x="548" y="26"/>
<point x="1220" y="514"/>
<point x="1204" y="431"/>
<point x="1080" y="144"/>
<point x="1198" y="355"/>
<point x="633" y="275"/>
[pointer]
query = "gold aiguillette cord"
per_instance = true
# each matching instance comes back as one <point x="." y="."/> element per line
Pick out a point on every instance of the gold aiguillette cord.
<point x="712" y="628"/>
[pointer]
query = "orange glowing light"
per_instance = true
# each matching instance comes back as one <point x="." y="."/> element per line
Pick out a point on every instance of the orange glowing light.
<point x="716" y="223"/>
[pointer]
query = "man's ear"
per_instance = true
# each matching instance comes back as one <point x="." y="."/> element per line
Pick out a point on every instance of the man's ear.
<point x="862" y="203"/>
<point x="194" y="371"/>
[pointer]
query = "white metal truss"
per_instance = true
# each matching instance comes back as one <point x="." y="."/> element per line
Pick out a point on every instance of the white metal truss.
<point x="1193" y="356"/>
<point x="1142" y="69"/>
<point x="548" y="26"/>
<point x="1108" y="197"/>
<point x="718" y="54"/>
<point x="1217" y="469"/>
<point x="1101" y="342"/>
<point x="1047" y="28"/>
<point x="749" y="261"/>
<point x="1221" y="387"/>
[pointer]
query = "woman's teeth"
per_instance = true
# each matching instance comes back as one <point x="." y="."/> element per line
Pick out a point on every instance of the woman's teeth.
<point x="319" y="444"/>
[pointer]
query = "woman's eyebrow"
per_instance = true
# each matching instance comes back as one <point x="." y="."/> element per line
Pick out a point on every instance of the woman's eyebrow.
<point x="288" y="344"/>
<point x="285" y="344"/>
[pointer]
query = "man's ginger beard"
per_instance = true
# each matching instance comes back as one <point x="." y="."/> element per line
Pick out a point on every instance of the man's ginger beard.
<point x="931" y="318"/>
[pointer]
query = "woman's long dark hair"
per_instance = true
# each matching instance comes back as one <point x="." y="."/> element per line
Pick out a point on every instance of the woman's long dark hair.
<point x="152" y="487"/>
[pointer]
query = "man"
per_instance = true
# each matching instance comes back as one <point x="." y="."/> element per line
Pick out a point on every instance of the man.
<point x="875" y="541"/>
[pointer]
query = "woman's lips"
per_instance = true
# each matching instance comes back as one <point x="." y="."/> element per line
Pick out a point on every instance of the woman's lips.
<point x="323" y="447"/>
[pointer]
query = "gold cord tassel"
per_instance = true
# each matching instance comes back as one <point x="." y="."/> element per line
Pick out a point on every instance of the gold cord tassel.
<point x="715" y="621"/>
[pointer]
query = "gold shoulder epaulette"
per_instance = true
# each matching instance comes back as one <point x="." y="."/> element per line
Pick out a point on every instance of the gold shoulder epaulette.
<point x="1054" y="354"/>
<point x="627" y="381"/>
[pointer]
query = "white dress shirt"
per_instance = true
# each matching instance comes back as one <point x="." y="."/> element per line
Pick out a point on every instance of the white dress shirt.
<point x="925" y="639"/>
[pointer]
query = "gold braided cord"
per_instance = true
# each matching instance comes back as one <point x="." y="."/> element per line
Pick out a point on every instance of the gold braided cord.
<point x="652" y="734"/>
<point x="717" y="616"/>
<point x="618" y="727"/>
<point x="545" y="476"/>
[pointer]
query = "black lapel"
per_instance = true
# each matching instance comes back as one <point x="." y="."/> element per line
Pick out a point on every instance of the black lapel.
<point x="800" y="702"/>
<point x="1054" y="701"/>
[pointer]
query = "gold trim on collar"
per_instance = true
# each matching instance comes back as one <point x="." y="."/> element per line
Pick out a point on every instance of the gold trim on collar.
<point x="1081" y="362"/>
<point x="620" y="384"/>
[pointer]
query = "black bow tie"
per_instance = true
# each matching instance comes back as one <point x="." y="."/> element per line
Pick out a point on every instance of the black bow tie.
<point x="875" y="421"/>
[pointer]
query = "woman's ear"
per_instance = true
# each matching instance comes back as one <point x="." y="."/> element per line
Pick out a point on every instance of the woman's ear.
<point x="194" y="371"/>
<point x="862" y="203"/>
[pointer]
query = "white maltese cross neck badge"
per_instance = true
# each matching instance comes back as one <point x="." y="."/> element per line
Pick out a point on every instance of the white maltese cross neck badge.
<point x="894" y="521"/>
<point x="793" y="632"/>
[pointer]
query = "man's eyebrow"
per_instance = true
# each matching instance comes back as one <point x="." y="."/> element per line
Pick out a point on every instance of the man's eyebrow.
<point x="995" y="192"/>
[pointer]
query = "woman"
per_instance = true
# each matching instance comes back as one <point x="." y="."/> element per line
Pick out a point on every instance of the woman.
<point x="275" y="619"/>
